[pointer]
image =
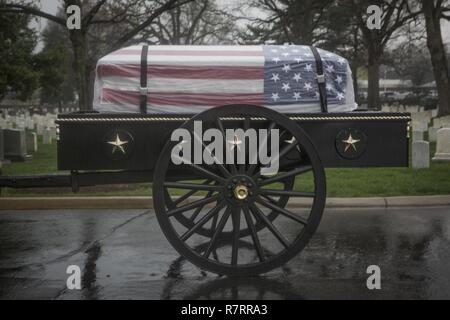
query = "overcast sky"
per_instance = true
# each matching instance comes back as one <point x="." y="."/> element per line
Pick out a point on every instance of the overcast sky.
<point x="51" y="6"/>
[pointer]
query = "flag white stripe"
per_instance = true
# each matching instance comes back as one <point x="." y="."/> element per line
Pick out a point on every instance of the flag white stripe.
<point x="247" y="61"/>
<point x="155" y="108"/>
<point x="256" y="48"/>
<point x="252" y="48"/>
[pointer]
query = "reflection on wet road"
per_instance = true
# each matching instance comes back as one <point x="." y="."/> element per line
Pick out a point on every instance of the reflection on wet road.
<point x="123" y="255"/>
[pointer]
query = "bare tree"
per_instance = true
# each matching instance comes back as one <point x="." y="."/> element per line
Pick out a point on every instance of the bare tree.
<point x="329" y="24"/>
<point x="290" y="21"/>
<point x="411" y="61"/>
<point x="434" y="11"/>
<point x="199" y="22"/>
<point x="135" y="15"/>
<point x="395" y="15"/>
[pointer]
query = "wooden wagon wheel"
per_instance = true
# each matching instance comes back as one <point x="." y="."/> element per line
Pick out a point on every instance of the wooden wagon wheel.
<point x="240" y="199"/>
<point x="189" y="221"/>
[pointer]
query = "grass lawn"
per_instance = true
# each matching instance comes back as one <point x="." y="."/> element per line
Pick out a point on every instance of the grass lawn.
<point x="365" y="182"/>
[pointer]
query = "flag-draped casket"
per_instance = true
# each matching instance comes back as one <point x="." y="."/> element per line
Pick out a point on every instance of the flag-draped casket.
<point x="189" y="79"/>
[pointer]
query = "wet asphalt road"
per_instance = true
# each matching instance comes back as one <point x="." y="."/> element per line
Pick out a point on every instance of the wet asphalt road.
<point x="124" y="255"/>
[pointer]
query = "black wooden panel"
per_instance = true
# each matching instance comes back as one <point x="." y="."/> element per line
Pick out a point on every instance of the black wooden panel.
<point x="81" y="143"/>
<point x="387" y="142"/>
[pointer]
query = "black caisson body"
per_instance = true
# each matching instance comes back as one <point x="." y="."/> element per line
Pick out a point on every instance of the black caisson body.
<point x="381" y="139"/>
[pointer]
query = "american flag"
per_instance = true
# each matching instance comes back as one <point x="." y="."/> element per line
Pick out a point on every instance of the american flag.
<point x="290" y="76"/>
<point x="185" y="79"/>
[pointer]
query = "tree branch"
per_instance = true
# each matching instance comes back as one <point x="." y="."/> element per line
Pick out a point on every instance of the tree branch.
<point x="18" y="8"/>
<point x="91" y="14"/>
<point x="169" y="5"/>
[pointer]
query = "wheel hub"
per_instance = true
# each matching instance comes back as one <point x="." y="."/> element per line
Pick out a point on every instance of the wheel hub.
<point x="240" y="189"/>
<point x="241" y="192"/>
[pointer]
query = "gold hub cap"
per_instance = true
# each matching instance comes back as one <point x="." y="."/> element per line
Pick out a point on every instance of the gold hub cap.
<point x="241" y="192"/>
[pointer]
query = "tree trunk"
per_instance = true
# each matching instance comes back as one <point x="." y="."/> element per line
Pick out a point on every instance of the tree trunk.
<point x="301" y="28"/>
<point x="438" y="56"/>
<point x="80" y="66"/>
<point x="354" y="68"/>
<point x="355" y="65"/>
<point x="373" y="90"/>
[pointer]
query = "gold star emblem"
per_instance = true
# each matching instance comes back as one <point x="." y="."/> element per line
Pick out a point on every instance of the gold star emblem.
<point x="118" y="145"/>
<point x="235" y="143"/>
<point x="350" y="143"/>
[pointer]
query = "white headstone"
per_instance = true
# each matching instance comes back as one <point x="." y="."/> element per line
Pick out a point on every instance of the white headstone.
<point x="32" y="145"/>
<point x="12" y="119"/>
<point x="385" y="108"/>
<point x="417" y="135"/>
<point x="413" y="109"/>
<point x="423" y="117"/>
<point x="53" y="133"/>
<point x="30" y="124"/>
<point x="432" y="134"/>
<point x="39" y="120"/>
<point x="443" y="145"/>
<point x="434" y="113"/>
<point x="436" y="123"/>
<point x="419" y="125"/>
<point x="40" y="129"/>
<point x="21" y="124"/>
<point x="47" y="136"/>
<point x="51" y="123"/>
<point x="445" y="122"/>
<point x="420" y="154"/>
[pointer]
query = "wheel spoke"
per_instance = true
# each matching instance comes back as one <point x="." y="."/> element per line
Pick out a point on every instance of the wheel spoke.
<point x="288" y="193"/>
<point x="203" y="171"/>
<point x="281" y="154"/>
<point x="254" y="234"/>
<point x="253" y="161"/>
<point x="227" y="151"/>
<point x="192" y="186"/>
<point x="287" y="149"/>
<point x="257" y="212"/>
<point x="282" y="211"/>
<point x="236" y="219"/>
<point x="268" y="198"/>
<point x="242" y="167"/>
<point x="217" y="232"/>
<point x="186" y="195"/>
<point x="221" y="167"/>
<point x="193" y="205"/>
<point x="285" y="175"/>
<point x="213" y="229"/>
<point x="197" y="211"/>
<point x="202" y="221"/>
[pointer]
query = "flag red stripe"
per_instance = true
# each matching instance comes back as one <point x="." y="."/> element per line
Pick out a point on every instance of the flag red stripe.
<point x="182" y="72"/>
<point x="199" y="53"/>
<point x="181" y="99"/>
